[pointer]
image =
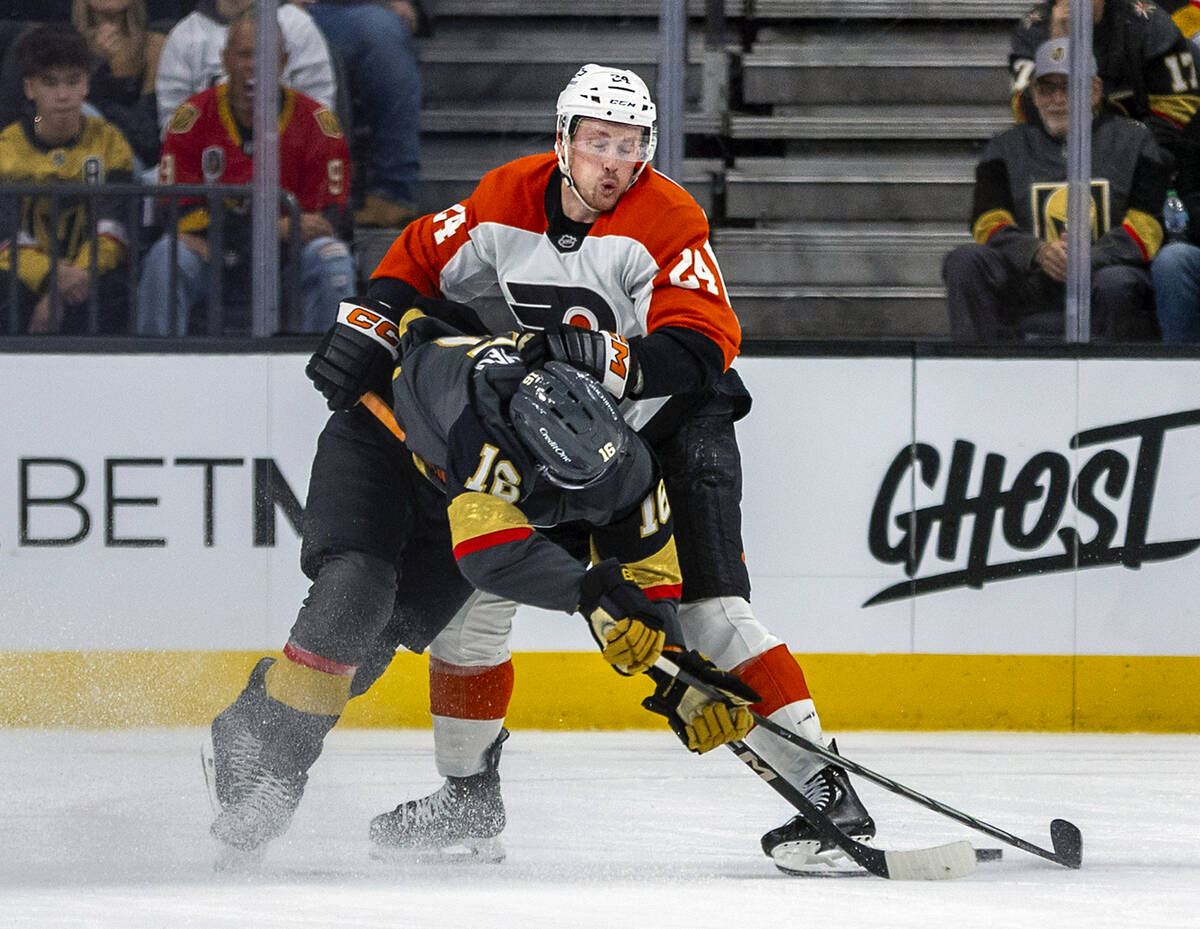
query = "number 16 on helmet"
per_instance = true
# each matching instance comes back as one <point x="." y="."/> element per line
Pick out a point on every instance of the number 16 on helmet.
<point x="569" y="424"/>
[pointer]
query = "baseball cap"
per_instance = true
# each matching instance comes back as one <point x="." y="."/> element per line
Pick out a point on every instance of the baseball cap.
<point x="1053" y="58"/>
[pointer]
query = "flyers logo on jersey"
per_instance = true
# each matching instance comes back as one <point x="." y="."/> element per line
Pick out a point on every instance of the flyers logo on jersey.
<point x="377" y="327"/>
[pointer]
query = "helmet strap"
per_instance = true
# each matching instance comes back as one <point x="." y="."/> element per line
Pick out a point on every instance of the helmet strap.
<point x="562" y="148"/>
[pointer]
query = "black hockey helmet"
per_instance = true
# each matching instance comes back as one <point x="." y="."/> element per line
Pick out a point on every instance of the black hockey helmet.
<point x="570" y="425"/>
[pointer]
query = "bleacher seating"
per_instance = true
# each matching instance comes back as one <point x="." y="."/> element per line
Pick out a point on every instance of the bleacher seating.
<point x="493" y="70"/>
<point x="832" y="144"/>
<point x="854" y="141"/>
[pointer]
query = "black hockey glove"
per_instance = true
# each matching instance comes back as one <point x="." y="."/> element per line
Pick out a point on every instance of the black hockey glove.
<point x="357" y="354"/>
<point x="701" y="722"/>
<point x="604" y="355"/>
<point x="625" y="623"/>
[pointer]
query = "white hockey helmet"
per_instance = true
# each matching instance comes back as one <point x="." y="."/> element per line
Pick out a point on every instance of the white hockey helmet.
<point x="613" y="94"/>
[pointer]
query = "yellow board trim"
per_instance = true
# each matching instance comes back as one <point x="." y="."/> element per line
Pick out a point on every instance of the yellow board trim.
<point x="578" y="690"/>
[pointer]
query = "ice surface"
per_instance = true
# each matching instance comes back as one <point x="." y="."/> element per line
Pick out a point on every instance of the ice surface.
<point x="108" y="830"/>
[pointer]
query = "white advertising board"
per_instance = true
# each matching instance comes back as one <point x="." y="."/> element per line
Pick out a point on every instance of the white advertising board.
<point x="890" y="506"/>
<point x="128" y="504"/>
<point x="966" y="471"/>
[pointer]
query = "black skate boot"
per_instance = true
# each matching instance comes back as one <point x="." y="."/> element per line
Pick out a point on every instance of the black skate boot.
<point x="797" y="848"/>
<point x="463" y="817"/>
<point x="261" y="753"/>
<point x="234" y="747"/>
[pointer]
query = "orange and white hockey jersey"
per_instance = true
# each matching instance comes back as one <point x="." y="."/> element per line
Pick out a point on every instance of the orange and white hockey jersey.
<point x="645" y="265"/>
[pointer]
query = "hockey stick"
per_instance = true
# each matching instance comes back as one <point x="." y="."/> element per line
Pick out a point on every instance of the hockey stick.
<point x="941" y="862"/>
<point x="1065" y="836"/>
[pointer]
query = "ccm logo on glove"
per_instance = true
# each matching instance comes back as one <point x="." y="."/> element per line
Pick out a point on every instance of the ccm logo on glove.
<point x="379" y="328"/>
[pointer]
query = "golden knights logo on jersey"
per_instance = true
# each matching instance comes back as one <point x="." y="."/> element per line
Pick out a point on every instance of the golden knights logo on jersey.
<point x="1049" y="208"/>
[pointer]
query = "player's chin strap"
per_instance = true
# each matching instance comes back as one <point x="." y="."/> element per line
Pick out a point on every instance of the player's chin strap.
<point x="570" y="182"/>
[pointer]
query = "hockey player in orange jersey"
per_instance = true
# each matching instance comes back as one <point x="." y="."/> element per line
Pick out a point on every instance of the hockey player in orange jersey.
<point x="606" y="263"/>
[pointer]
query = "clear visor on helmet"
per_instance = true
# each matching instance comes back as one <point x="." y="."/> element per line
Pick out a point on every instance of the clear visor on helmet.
<point x="567" y="484"/>
<point x="605" y="140"/>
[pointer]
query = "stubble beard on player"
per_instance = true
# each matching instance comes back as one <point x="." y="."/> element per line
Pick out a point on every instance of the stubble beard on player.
<point x="601" y="199"/>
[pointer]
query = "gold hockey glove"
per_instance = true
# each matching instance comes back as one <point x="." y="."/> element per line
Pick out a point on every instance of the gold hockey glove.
<point x="702" y="722"/>
<point x="624" y="622"/>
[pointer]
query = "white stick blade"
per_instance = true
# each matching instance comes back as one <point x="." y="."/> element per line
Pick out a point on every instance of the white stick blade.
<point x="941" y="863"/>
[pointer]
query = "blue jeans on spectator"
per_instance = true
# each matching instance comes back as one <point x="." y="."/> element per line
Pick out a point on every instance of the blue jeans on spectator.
<point x="1176" y="272"/>
<point x="379" y="55"/>
<point x="326" y="271"/>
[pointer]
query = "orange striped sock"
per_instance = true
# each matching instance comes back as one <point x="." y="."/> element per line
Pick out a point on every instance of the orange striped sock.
<point x="470" y="692"/>
<point x="777" y="677"/>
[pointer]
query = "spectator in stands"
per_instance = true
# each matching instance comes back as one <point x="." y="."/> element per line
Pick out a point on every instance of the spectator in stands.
<point x="58" y="143"/>
<point x="1017" y="265"/>
<point x="1143" y="60"/>
<point x="374" y="43"/>
<point x="160" y="16"/>
<point x="125" y="53"/>
<point x="1176" y="269"/>
<point x="209" y="140"/>
<point x="1186" y="16"/>
<point x="192" y="56"/>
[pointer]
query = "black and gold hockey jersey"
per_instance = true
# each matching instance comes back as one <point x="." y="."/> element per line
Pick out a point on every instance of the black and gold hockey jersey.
<point x="99" y="154"/>
<point x="1021" y="192"/>
<point x="1185" y="14"/>
<point x="450" y="393"/>
<point x="1142" y="57"/>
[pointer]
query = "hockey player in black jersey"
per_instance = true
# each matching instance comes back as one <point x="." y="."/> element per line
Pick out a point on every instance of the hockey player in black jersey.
<point x="483" y="455"/>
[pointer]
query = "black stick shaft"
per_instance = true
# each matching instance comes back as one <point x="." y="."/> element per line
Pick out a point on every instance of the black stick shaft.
<point x="1070" y="854"/>
<point x="870" y="858"/>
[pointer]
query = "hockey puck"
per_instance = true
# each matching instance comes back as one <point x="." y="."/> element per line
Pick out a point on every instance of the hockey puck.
<point x="989" y="854"/>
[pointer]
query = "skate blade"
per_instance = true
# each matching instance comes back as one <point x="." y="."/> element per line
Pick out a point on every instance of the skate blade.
<point x="807" y="859"/>
<point x="208" y="764"/>
<point x="230" y="860"/>
<point x="468" y="851"/>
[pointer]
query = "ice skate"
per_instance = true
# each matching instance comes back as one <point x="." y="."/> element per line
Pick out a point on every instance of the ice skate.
<point x="257" y="769"/>
<point x="797" y="848"/>
<point x="461" y="819"/>
<point x="262" y="812"/>
<point x="232" y="753"/>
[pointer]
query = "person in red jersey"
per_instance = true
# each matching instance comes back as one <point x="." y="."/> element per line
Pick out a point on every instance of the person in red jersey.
<point x="210" y="140"/>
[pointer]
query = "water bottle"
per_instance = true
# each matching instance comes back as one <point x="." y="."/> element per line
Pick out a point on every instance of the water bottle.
<point x="1175" y="218"/>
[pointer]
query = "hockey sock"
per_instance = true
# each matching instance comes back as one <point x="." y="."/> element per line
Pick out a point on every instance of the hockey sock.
<point x="468" y="705"/>
<point x="309" y="683"/>
<point x="778" y="678"/>
<point x="724" y="630"/>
